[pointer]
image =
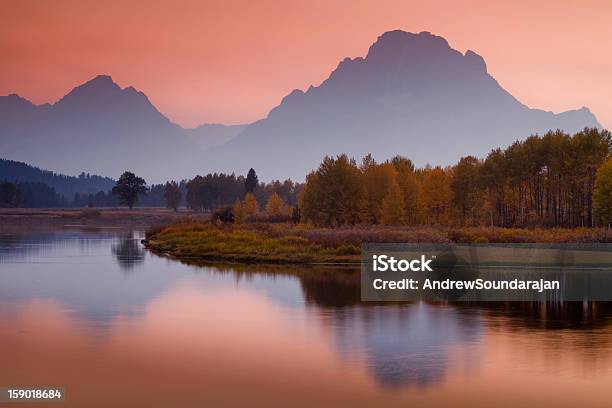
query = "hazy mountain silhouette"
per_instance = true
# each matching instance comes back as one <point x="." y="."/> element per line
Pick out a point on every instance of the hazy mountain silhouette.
<point x="98" y="127"/>
<point x="214" y="134"/>
<point x="412" y="95"/>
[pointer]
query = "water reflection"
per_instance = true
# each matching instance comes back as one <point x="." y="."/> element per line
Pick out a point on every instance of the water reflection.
<point x="408" y="345"/>
<point x="170" y="334"/>
<point x="129" y="252"/>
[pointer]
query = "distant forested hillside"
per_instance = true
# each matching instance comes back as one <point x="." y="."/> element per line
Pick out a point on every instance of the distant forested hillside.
<point x="67" y="186"/>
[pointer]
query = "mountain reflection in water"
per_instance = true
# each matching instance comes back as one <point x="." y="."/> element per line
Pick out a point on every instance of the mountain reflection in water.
<point x="118" y="326"/>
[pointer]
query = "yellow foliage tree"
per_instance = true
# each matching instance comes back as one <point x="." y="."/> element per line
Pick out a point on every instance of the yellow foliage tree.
<point x="250" y="207"/>
<point x="275" y="206"/>
<point x="437" y="195"/>
<point x="409" y="187"/>
<point x="238" y="212"/>
<point x="377" y="181"/>
<point x="393" y="210"/>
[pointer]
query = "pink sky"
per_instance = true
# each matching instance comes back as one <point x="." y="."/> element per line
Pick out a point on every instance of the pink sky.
<point x="232" y="61"/>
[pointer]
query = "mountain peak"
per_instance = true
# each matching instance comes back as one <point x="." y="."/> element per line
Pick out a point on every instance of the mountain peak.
<point x="398" y="43"/>
<point x="100" y="82"/>
<point x="103" y="78"/>
<point x="411" y="94"/>
<point x="100" y="88"/>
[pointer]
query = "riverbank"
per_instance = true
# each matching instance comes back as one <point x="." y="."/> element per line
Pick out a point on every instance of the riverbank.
<point x="286" y="243"/>
<point x="23" y="220"/>
<point x="251" y="243"/>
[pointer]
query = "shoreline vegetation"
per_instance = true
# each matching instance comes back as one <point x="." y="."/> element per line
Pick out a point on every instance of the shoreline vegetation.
<point x="25" y="220"/>
<point x="285" y="243"/>
<point x="555" y="188"/>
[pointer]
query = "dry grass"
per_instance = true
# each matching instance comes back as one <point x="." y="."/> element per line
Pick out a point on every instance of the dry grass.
<point x="23" y="220"/>
<point x="252" y="243"/>
<point x="286" y="243"/>
<point x="523" y="235"/>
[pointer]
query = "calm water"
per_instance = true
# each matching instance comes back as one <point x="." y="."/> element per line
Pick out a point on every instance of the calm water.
<point x="117" y="326"/>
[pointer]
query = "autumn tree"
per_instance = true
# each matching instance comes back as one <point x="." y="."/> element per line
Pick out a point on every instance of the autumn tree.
<point x="172" y="195"/>
<point x="250" y="207"/>
<point x="409" y="187"/>
<point x="547" y="181"/>
<point x="377" y="181"/>
<point x="331" y="193"/>
<point x="275" y="207"/>
<point x="238" y="211"/>
<point x="493" y="178"/>
<point x="466" y="188"/>
<point x="401" y="162"/>
<point x="437" y="195"/>
<point x="603" y="193"/>
<point x="393" y="211"/>
<point x="129" y="187"/>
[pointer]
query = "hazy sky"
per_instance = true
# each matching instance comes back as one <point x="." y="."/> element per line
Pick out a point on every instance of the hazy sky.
<point x="232" y="61"/>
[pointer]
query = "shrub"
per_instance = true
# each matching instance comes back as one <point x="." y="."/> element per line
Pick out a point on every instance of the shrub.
<point x="224" y="215"/>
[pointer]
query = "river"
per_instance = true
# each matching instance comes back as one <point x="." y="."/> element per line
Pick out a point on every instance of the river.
<point x="114" y="325"/>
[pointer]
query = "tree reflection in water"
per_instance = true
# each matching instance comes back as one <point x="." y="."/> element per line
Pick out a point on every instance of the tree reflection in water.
<point x="128" y="252"/>
<point x="409" y="344"/>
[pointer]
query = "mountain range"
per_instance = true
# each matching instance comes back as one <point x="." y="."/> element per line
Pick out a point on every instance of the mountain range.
<point x="101" y="128"/>
<point x="412" y="94"/>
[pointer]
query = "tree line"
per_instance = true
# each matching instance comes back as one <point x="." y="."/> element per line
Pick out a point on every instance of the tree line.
<point x="552" y="180"/>
<point x="202" y="193"/>
<point x="29" y="194"/>
<point x="218" y="190"/>
<point x="66" y="186"/>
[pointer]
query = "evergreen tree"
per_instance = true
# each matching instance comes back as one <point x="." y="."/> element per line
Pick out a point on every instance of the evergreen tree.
<point x="250" y="184"/>
<point x="10" y="195"/>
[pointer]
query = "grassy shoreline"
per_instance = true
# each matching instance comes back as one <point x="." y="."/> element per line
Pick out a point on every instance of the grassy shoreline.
<point x="246" y="244"/>
<point x="299" y="244"/>
<point x="27" y="220"/>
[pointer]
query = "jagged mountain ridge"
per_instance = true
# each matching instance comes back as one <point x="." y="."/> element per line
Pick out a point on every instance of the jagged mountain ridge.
<point x="101" y="128"/>
<point x="412" y="94"/>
